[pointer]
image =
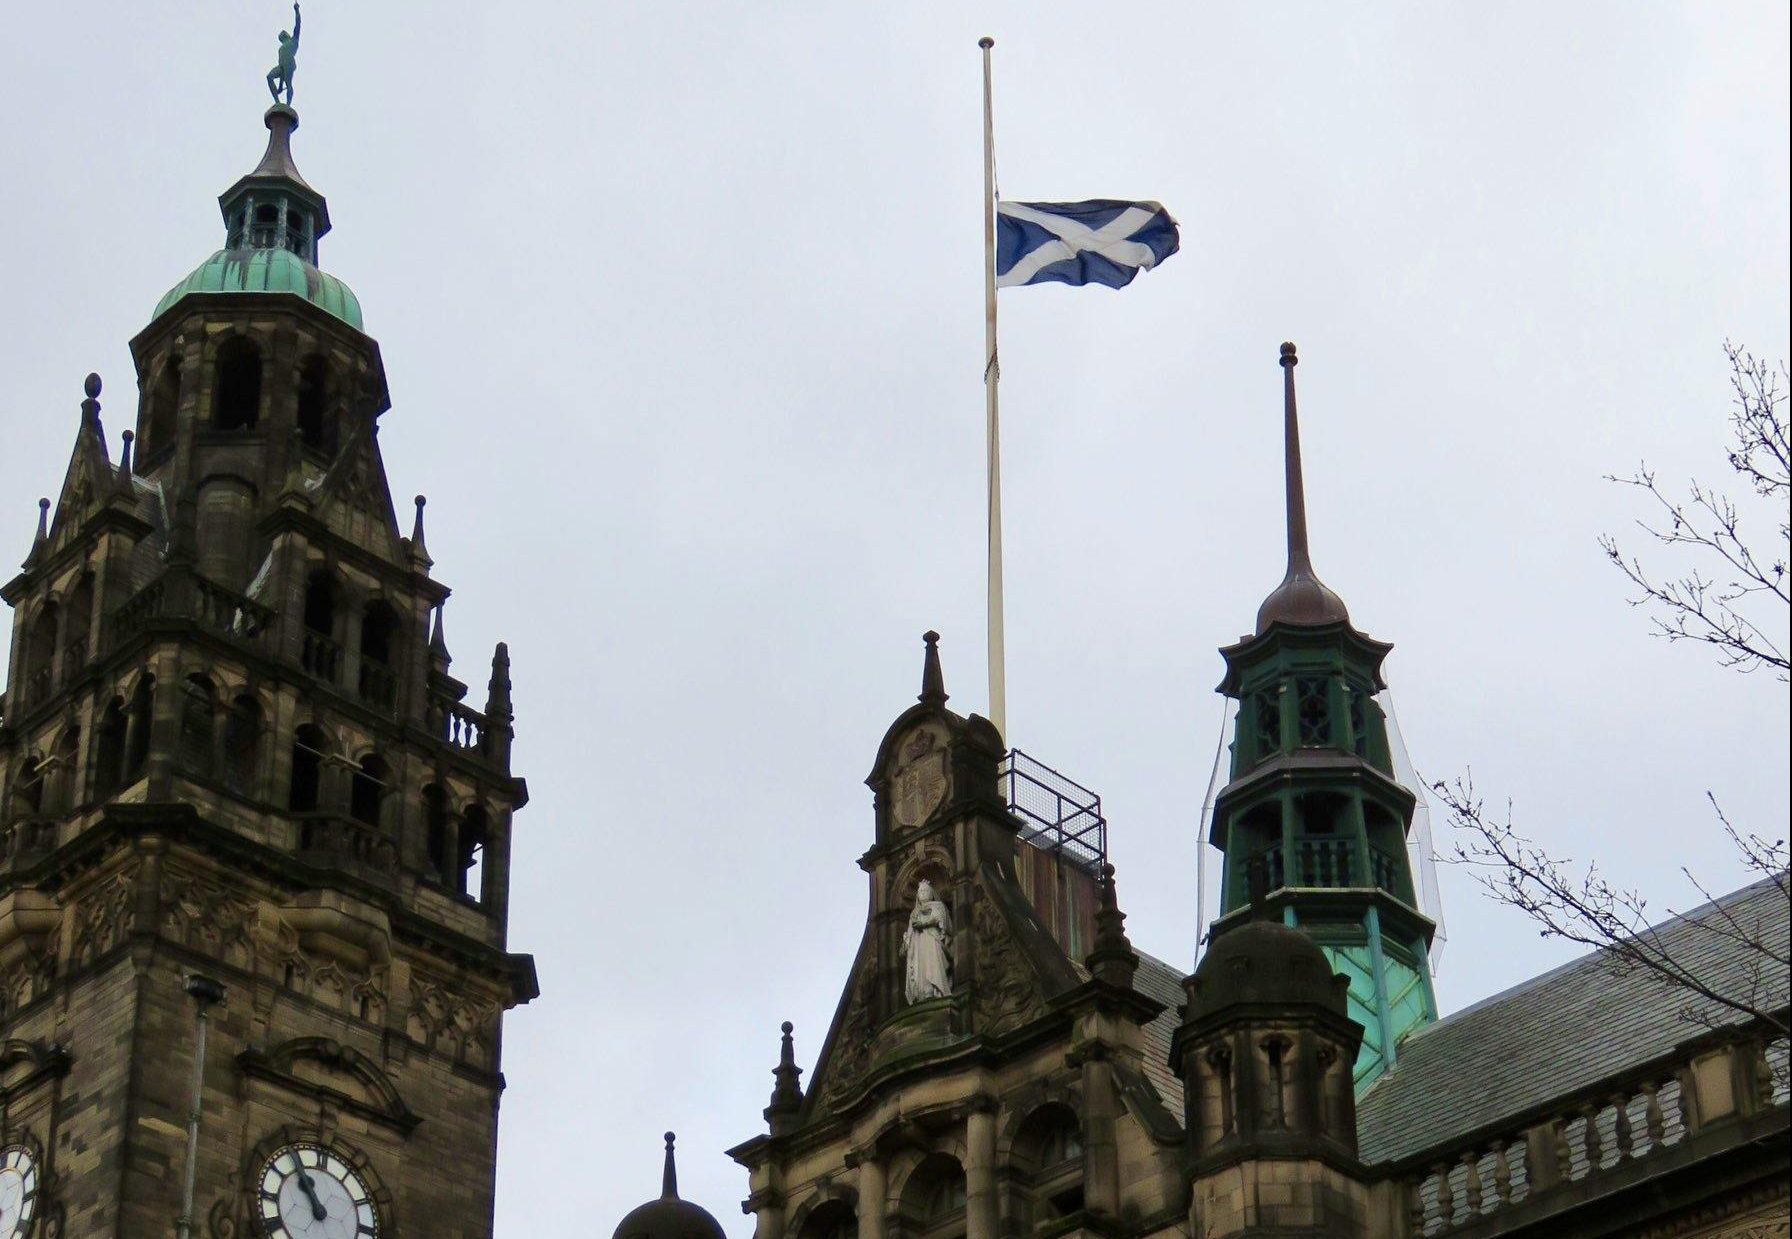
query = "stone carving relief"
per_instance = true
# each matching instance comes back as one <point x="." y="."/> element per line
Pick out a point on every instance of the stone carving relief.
<point x="208" y="917"/>
<point x="363" y="993"/>
<point x="461" y="1027"/>
<point x="852" y="1048"/>
<point x="26" y="978"/>
<point x="921" y="779"/>
<point x="1005" y="996"/>
<point x="103" y="918"/>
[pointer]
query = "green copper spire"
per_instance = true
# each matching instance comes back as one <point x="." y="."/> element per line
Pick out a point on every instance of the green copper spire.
<point x="273" y="220"/>
<point x="1311" y="800"/>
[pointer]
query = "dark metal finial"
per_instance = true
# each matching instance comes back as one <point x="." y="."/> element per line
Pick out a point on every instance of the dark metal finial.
<point x="1299" y="559"/>
<point x="669" y="1180"/>
<point x="933" y="680"/>
<point x="986" y="43"/>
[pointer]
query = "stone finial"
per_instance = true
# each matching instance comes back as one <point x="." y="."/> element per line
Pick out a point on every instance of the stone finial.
<point x="438" y="640"/>
<point x="1111" y="958"/>
<point x="669" y="1179"/>
<point x="419" y="548"/>
<point x="43" y="534"/>
<point x="787" y="1093"/>
<point x="90" y="407"/>
<point x="933" y="680"/>
<point x="125" y="464"/>
<point x="497" y="697"/>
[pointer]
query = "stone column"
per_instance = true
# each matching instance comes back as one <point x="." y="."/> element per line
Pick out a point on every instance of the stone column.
<point x="873" y="1193"/>
<point x="982" y="1220"/>
<point x="1101" y="1160"/>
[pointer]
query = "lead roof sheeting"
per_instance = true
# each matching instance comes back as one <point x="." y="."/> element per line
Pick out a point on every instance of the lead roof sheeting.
<point x="1563" y="1031"/>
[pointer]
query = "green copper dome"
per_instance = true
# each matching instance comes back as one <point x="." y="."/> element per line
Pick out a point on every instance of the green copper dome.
<point x="268" y="271"/>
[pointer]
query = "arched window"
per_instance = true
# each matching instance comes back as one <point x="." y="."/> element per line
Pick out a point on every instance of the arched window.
<point x="309" y="746"/>
<point x="469" y="865"/>
<point x="379" y="655"/>
<point x="162" y="413"/>
<point x="108" y="749"/>
<point x="40" y="653"/>
<point x="196" y="725"/>
<point x="317" y="423"/>
<point x="77" y="623"/>
<point x="833" y="1219"/>
<point x="321" y="653"/>
<point x="28" y="790"/>
<point x="242" y="745"/>
<point x="143" y="709"/>
<point x="933" y="1199"/>
<point x="367" y="789"/>
<point x="1048" y="1151"/>
<point x="438" y="835"/>
<point x="236" y="401"/>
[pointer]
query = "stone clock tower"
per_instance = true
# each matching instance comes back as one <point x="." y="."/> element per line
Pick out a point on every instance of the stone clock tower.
<point x="232" y="748"/>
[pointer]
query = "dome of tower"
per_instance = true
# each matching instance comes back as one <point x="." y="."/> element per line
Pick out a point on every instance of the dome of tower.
<point x="1302" y="600"/>
<point x="268" y="271"/>
<point x="1264" y="962"/>
<point x="669" y="1217"/>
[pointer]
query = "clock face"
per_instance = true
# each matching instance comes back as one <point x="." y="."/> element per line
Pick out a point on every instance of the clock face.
<point x="308" y="1192"/>
<point x="18" y="1191"/>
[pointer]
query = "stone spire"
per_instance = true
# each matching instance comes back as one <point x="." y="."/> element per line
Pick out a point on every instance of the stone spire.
<point x="933" y="680"/>
<point x="787" y="1093"/>
<point x="438" y="642"/>
<point x="1111" y="959"/>
<point x="1302" y="598"/>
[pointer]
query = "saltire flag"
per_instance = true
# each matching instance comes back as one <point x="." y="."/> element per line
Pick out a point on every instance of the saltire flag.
<point x="1102" y="241"/>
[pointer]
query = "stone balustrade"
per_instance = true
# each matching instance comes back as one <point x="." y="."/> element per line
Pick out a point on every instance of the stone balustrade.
<point x="1599" y="1132"/>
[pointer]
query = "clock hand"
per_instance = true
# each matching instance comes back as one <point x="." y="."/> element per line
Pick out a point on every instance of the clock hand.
<point x="310" y="1189"/>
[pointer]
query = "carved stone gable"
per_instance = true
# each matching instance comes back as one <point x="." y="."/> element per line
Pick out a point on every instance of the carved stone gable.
<point x="1006" y="992"/>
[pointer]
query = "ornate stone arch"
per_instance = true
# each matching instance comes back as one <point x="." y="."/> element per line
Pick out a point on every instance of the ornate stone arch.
<point x="285" y="1065"/>
<point x="1021" y="1107"/>
<point x="828" y="1192"/>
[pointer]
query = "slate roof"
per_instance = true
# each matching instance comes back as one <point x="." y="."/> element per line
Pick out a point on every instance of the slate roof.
<point x="1163" y="982"/>
<point x="1568" y="1029"/>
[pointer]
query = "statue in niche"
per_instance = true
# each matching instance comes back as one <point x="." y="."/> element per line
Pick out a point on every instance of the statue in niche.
<point x="928" y="946"/>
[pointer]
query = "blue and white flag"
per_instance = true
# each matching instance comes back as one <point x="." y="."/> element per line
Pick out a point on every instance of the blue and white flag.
<point x="1097" y="242"/>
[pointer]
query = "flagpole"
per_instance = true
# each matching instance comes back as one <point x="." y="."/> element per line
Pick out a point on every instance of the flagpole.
<point x="992" y="374"/>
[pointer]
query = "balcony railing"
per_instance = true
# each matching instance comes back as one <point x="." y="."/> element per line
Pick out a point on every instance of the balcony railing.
<point x="1597" y="1133"/>
<point x="333" y="840"/>
<point x="1331" y="863"/>
<point x="456" y="725"/>
<point x="211" y="605"/>
<point x="1057" y="814"/>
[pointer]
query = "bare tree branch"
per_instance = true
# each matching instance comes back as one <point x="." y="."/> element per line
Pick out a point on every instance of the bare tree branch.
<point x="1737" y="601"/>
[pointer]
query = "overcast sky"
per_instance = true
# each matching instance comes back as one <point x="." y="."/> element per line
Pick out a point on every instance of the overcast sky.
<point x="681" y="310"/>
